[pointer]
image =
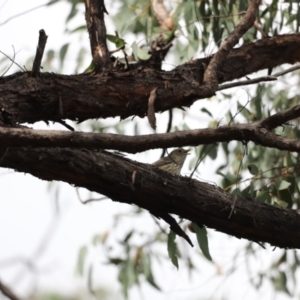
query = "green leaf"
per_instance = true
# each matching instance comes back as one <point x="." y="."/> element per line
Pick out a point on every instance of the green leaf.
<point x="280" y="282"/>
<point x="96" y="239"/>
<point x="285" y="198"/>
<point x="172" y="248"/>
<point x="116" y="261"/>
<point x="79" y="28"/>
<point x="116" y="40"/>
<point x="202" y="240"/>
<point x="281" y="203"/>
<point x="127" y="276"/>
<point x="81" y="259"/>
<point x="139" y="53"/>
<point x="283" y="185"/>
<point x="73" y="12"/>
<point x="253" y="169"/>
<point x="148" y="271"/>
<point x="62" y="54"/>
<point x="90" y="279"/>
<point x="206" y="111"/>
<point x="263" y="196"/>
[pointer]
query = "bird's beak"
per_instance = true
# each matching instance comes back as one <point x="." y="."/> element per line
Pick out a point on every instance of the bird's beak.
<point x="187" y="151"/>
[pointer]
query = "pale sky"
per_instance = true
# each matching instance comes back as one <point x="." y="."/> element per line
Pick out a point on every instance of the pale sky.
<point x="27" y="206"/>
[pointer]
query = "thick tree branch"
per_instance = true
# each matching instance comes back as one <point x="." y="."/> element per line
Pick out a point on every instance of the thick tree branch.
<point x="53" y="97"/>
<point x="154" y="189"/>
<point x="257" y="132"/>
<point x="94" y="16"/>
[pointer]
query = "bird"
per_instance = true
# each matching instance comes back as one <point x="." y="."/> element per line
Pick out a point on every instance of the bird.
<point x="173" y="162"/>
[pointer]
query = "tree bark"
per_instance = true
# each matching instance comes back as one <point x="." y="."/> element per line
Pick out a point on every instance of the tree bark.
<point x="53" y="97"/>
<point x="159" y="192"/>
<point x="120" y="92"/>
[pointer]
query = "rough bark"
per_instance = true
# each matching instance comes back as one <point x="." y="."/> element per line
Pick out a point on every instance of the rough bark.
<point x="159" y="192"/>
<point x="258" y="132"/>
<point x="53" y="97"/>
<point x="109" y="92"/>
<point x="94" y="16"/>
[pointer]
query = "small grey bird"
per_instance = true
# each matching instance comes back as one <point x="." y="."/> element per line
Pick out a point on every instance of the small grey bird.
<point x="173" y="162"/>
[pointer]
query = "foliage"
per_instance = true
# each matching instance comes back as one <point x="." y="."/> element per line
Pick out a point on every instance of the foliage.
<point x="268" y="175"/>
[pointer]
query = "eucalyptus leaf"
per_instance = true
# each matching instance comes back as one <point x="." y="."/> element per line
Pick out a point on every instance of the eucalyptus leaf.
<point x="83" y="251"/>
<point x="172" y="248"/>
<point x="202" y="239"/>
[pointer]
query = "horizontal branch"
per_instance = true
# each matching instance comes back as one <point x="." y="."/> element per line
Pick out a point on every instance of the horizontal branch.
<point x="258" y="132"/>
<point x="159" y="192"/>
<point x="53" y="97"/>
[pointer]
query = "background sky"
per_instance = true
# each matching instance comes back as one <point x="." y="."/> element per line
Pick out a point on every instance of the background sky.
<point x="44" y="225"/>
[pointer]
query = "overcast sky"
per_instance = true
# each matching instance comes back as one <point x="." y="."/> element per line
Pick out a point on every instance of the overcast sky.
<point x="27" y="207"/>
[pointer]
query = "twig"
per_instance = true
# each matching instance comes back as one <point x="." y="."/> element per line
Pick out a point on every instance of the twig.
<point x="257" y="26"/>
<point x="210" y="81"/>
<point x="200" y="159"/>
<point x="62" y="122"/>
<point x="6" y="291"/>
<point x="88" y="200"/>
<point x="232" y="206"/>
<point x="259" y="79"/>
<point x="117" y="50"/>
<point x="12" y="61"/>
<point x="287" y="71"/>
<point x="157" y="223"/>
<point x="39" y="53"/>
<point x="23" y="13"/>
<point x="246" y="82"/>
<point x="281" y="118"/>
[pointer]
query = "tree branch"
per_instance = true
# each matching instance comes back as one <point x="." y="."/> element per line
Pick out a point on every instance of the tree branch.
<point x="30" y="100"/>
<point x="210" y="81"/>
<point x="258" y="79"/>
<point x="258" y="132"/>
<point x="246" y="82"/>
<point x="6" y="291"/>
<point x="159" y="192"/>
<point x="163" y="17"/>
<point x="281" y="118"/>
<point x="94" y="16"/>
<point x="39" y="53"/>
